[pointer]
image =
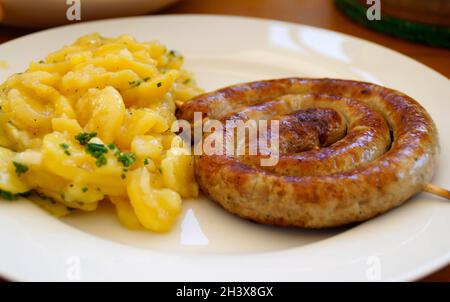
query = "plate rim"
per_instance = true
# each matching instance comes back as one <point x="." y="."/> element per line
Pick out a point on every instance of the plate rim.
<point x="412" y="274"/>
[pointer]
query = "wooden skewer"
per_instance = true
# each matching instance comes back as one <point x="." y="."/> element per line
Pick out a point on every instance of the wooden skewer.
<point x="430" y="188"/>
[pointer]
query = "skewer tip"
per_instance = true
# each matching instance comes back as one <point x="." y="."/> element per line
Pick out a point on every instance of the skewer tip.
<point x="430" y="188"/>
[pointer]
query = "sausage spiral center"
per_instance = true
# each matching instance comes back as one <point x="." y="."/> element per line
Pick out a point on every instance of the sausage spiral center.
<point x="348" y="151"/>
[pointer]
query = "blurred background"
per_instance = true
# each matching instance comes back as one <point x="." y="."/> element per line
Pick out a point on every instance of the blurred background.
<point x="417" y="28"/>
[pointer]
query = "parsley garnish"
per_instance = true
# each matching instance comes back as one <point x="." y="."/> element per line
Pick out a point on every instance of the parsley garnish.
<point x="146" y="161"/>
<point x="8" y="195"/>
<point x="101" y="161"/>
<point x="114" y="149"/>
<point x="135" y="83"/>
<point x="173" y="54"/>
<point x="126" y="158"/>
<point x="146" y="79"/>
<point x="46" y="198"/>
<point x="25" y="194"/>
<point x="97" y="151"/>
<point x="85" y="137"/>
<point x="20" y="168"/>
<point x="65" y="147"/>
<point x="84" y="189"/>
<point x="11" y="196"/>
<point x="159" y="84"/>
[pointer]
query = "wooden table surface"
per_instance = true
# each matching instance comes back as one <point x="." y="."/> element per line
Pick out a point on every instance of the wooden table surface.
<point x="320" y="13"/>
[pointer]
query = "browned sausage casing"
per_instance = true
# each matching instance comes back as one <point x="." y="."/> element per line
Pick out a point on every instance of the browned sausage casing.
<point x="375" y="153"/>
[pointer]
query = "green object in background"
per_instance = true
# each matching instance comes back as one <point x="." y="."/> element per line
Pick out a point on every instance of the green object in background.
<point x="413" y="31"/>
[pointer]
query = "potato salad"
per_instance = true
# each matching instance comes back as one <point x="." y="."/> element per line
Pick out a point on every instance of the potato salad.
<point x="91" y="123"/>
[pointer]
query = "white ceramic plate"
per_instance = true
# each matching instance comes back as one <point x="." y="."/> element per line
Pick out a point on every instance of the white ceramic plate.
<point x="208" y="244"/>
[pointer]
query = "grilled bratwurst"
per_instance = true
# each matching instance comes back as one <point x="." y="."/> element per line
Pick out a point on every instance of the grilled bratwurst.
<point x="348" y="151"/>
